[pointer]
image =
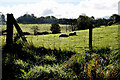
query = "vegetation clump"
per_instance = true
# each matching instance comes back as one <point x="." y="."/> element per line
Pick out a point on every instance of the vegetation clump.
<point x="55" y="28"/>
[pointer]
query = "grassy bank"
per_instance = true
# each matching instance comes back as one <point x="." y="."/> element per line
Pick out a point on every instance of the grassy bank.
<point x="50" y="57"/>
<point x="23" y="62"/>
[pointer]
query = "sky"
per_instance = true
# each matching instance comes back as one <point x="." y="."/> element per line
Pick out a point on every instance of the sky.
<point x="60" y="8"/>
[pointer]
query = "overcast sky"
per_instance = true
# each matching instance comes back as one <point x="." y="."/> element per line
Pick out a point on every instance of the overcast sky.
<point x="60" y="8"/>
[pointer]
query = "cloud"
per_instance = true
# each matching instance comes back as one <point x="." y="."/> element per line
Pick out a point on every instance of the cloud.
<point x="47" y="12"/>
<point x="67" y="9"/>
<point x="99" y="8"/>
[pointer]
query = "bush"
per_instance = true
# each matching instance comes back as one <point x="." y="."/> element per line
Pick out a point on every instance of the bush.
<point x="110" y="23"/>
<point x="84" y="22"/>
<point x="55" y="28"/>
<point x="35" y="29"/>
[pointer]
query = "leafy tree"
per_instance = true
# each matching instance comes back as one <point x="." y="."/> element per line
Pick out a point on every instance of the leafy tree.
<point x="110" y="23"/>
<point x="35" y="29"/>
<point x="27" y="19"/>
<point x="84" y="22"/>
<point x="100" y="21"/>
<point x="115" y="18"/>
<point x="55" y="28"/>
<point x="3" y="18"/>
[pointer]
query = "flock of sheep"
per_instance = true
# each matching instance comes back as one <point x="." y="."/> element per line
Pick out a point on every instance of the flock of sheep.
<point x="65" y="35"/>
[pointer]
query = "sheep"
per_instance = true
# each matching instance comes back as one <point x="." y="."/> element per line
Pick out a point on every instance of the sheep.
<point x="44" y="33"/>
<point x="72" y="34"/>
<point x="63" y="35"/>
<point x="38" y="33"/>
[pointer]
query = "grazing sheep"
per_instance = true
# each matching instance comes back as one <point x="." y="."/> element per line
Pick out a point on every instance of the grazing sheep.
<point x="44" y="33"/>
<point x="72" y="34"/>
<point x="39" y="33"/>
<point x="64" y="35"/>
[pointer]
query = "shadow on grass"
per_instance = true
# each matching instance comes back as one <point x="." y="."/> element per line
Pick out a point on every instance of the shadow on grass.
<point x="36" y="59"/>
<point x="31" y="55"/>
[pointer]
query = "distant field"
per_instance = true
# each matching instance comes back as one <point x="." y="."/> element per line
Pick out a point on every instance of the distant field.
<point x="41" y="27"/>
<point x="102" y="37"/>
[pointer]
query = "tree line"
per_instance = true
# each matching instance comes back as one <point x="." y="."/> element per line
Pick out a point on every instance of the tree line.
<point x="31" y="19"/>
<point x="82" y="22"/>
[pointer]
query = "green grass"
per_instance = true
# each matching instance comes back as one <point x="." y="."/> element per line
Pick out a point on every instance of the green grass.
<point x="23" y="61"/>
<point x="41" y="27"/>
<point x="102" y="37"/>
<point x="53" y="57"/>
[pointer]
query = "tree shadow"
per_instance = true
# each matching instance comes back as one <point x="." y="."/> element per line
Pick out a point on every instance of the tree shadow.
<point x="32" y="55"/>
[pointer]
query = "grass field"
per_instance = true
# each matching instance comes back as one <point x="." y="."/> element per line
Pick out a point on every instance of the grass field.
<point x="50" y="57"/>
<point x="102" y="37"/>
<point x="41" y="27"/>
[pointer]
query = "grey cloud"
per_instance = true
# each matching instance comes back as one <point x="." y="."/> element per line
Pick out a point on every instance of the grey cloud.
<point x="100" y="6"/>
<point x="104" y="6"/>
<point x="47" y="12"/>
<point x="58" y="15"/>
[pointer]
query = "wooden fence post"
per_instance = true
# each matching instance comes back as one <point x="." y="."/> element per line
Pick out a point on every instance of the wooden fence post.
<point x="90" y="37"/>
<point x="10" y="22"/>
<point x="19" y="30"/>
<point x="9" y="37"/>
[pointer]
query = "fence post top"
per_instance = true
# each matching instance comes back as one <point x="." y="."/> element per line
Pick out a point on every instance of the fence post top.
<point x="10" y="14"/>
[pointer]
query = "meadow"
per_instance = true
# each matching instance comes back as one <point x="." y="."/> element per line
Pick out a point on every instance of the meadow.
<point x="50" y="57"/>
<point x="104" y="36"/>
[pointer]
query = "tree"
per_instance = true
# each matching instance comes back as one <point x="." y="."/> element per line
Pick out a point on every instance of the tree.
<point x="35" y="29"/>
<point x="110" y="23"/>
<point x="84" y="22"/>
<point x="55" y="28"/>
<point x="2" y="18"/>
<point x="27" y="19"/>
<point x="100" y="21"/>
<point x="115" y="18"/>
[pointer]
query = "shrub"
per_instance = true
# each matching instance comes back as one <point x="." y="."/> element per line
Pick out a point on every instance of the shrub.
<point x="84" y="22"/>
<point x="55" y="28"/>
<point x="35" y="29"/>
<point x="110" y="23"/>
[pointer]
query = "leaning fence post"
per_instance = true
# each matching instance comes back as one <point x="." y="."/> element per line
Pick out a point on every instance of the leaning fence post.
<point x="9" y="38"/>
<point x="10" y="22"/>
<point x="90" y="37"/>
<point x="19" y="30"/>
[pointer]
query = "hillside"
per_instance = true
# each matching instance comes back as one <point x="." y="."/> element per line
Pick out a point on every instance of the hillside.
<point x="50" y="57"/>
<point x="102" y="37"/>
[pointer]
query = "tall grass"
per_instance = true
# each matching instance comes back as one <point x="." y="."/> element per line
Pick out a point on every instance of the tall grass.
<point x="50" y="57"/>
<point x="25" y="61"/>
